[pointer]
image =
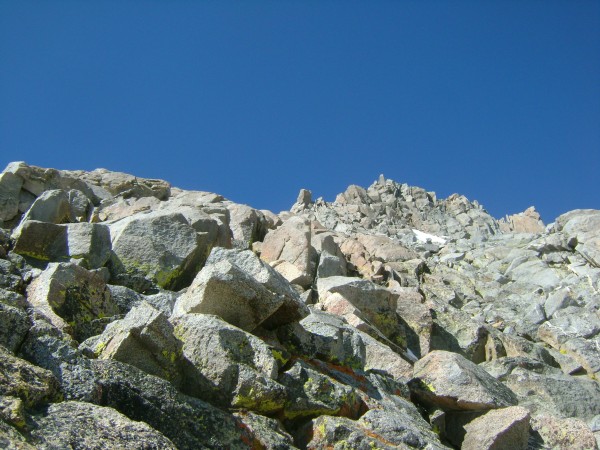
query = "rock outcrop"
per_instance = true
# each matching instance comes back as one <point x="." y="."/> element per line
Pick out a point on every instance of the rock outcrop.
<point x="138" y="315"/>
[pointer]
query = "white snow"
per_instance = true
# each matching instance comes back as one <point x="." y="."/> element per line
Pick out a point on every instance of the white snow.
<point x="425" y="237"/>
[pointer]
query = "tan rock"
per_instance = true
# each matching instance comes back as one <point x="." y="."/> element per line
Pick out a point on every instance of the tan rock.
<point x="291" y="242"/>
<point x="500" y="429"/>
<point x="564" y="434"/>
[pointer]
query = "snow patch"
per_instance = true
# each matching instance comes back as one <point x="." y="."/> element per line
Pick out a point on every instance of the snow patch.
<point x="426" y="237"/>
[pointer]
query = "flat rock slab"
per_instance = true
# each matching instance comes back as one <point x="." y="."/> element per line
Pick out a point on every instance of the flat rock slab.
<point x="506" y="428"/>
<point x="451" y="382"/>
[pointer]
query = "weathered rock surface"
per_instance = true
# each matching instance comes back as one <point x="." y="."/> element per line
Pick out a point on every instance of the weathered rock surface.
<point x="388" y="318"/>
<point x="163" y="248"/>
<point x="230" y="366"/>
<point x="501" y="428"/>
<point x="33" y="385"/>
<point x="144" y="338"/>
<point x="291" y="243"/>
<point x="82" y="425"/>
<point x="243" y="290"/>
<point x="449" y="381"/>
<point x="73" y="299"/>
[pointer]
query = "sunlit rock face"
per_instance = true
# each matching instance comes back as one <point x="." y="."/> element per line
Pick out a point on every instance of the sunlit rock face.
<point x="139" y="315"/>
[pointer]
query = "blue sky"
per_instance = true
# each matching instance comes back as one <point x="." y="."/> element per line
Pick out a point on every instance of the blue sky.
<point x="499" y="101"/>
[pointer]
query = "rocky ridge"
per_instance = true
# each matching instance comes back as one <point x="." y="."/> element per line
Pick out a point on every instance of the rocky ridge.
<point x="138" y="315"/>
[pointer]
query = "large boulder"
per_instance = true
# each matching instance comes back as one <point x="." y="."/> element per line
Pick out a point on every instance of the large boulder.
<point x="506" y="428"/>
<point x="83" y="425"/>
<point x="253" y="293"/>
<point x="162" y="248"/>
<point x="126" y="185"/>
<point x="51" y="206"/>
<point x="581" y="227"/>
<point x="312" y="394"/>
<point x="553" y="393"/>
<point x="248" y="225"/>
<point x="14" y="325"/>
<point x="330" y="338"/>
<point x="225" y="290"/>
<point x="88" y="244"/>
<point x="73" y="299"/>
<point x="291" y="242"/>
<point x="144" y="338"/>
<point x="230" y="366"/>
<point x="188" y="422"/>
<point x="375" y="304"/>
<point x="452" y="382"/>
<point x="567" y="433"/>
<point x="10" y="186"/>
<point x="33" y="385"/>
<point x="376" y="429"/>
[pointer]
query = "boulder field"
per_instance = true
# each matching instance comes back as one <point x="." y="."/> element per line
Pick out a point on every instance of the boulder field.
<point x="136" y="315"/>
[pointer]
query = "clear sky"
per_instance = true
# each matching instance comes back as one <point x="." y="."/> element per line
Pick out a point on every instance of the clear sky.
<point x="496" y="100"/>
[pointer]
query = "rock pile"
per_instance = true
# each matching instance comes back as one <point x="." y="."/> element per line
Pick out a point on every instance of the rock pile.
<point x="138" y="315"/>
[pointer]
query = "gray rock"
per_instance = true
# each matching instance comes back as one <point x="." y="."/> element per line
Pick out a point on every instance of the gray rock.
<point x="10" y="277"/>
<point x="377" y="429"/>
<point x="188" y="422"/>
<point x="506" y="428"/>
<point x="73" y="299"/>
<point x="12" y="411"/>
<point x="125" y="298"/>
<point x="330" y="338"/>
<point x="230" y="366"/>
<point x="51" y="206"/>
<point x="292" y="308"/>
<point x="10" y="186"/>
<point x="569" y="433"/>
<point x="556" y="301"/>
<point x="451" y="382"/>
<point x="581" y="227"/>
<point x="313" y="394"/>
<point x="11" y="439"/>
<point x="268" y="432"/>
<point x="144" y="339"/>
<point x="41" y="241"/>
<point x="163" y="248"/>
<point x="14" y="325"/>
<point x="88" y="242"/>
<point x="127" y="186"/>
<point x="576" y="323"/>
<point x="555" y="394"/>
<point x="247" y="225"/>
<point x="33" y="385"/>
<point x="225" y="290"/>
<point x="82" y="425"/>
<point x="303" y="201"/>
<point x="416" y="319"/>
<point x="164" y="301"/>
